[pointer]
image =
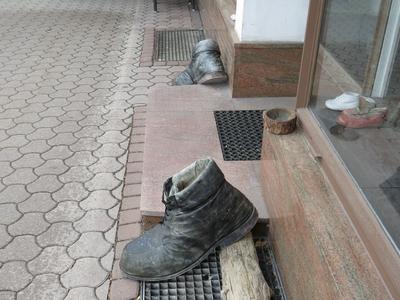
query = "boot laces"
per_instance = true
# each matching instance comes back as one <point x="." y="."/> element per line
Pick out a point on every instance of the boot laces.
<point x="170" y="203"/>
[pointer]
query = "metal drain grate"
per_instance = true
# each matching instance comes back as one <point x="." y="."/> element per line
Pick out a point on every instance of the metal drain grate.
<point x="269" y="268"/>
<point x="240" y="133"/>
<point x="176" y="45"/>
<point x="203" y="282"/>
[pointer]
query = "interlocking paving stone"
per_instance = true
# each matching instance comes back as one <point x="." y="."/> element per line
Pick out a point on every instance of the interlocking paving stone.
<point x="102" y="181"/>
<point x="85" y="272"/>
<point x="9" y="154"/>
<point x="30" y="160"/>
<point x="38" y="202"/>
<point x="62" y="234"/>
<point x="106" y="164"/>
<point x="5" y="169"/>
<point x="14" y="194"/>
<point x="21" y="248"/>
<point x="65" y="211"/>
<point x="102" y="291"/>
<point x="81" y="293"/>
<point x="53" y="259"/>
<point x="14" y="276"/>
<point x="76" y="174"/>
<point x="9" y="213"/>
<point x="70" y="191"/>
<point x="89" y="244"/>
<point x="99" y="199"/>
<point x="5" y="238"/>
<point x="43" y="287"/>
<point x="30" y="223"/>
<point x="23" y="176"/>
<point x="69" y="74"/>
<point x="52" y="166"/>
<point x="45" y="183"/>
<point x="7" y="295"/>
<point x="81" y="158"/>
<point x="94" y="220"/>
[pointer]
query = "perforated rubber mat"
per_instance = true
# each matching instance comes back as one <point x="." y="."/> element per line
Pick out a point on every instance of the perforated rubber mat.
<point x="201" y="283"/>
<point x="204" y="282"/>
<point x="240" y="133"/>
<point x="176" y="45"/>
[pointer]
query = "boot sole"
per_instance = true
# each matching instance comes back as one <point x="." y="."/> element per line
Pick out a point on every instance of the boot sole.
<point x="213" y="78"/>
<point x="229" y="239"/>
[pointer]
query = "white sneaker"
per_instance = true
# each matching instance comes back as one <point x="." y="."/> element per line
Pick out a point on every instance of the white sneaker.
<point x="346" y="100"/>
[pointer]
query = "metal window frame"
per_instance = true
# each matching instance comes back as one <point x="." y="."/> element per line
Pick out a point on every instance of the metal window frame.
<point x="367" y="225"/>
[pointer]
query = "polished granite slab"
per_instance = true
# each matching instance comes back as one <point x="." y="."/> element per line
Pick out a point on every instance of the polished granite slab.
<point x="180" y="128"/>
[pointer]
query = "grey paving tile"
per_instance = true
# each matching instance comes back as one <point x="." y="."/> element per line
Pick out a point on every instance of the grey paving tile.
<point x="71" y="191"/>
<point x="67" y="83"/>
<point x="45" y="183"/>
<point x="38" y="202"/>
<point x="14" y="194"/>
<point x="99" y="199"/>
<point x="5" y="238"/>
<point x="21" y="248"/>
<point x="9" y="213"/>
<point x="46" y="286"/>
<point x="53" y="259"/>
<point x="102" y="291"/>
<point x="65" y="211"/>
<point x="76" y="174"/>
<point x="85" y="272"/>
<point x="20" y="176"/>
<point x="7" y="295"/>
<point x="89" y="244"/>
<point x="94" y="220"/>
<point x="81" y="293"/>
<point x="58" y="234"/>
<point x="30" y="223"/>
<point x="14" y="276"/>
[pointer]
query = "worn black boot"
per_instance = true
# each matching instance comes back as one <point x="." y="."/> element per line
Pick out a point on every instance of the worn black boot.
<point x="203" y="211"/>
<point x="206" y="66"/>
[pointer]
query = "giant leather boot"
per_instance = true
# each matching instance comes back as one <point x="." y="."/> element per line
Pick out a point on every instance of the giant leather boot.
<point x="206" y="66"/>
<point x="203" y="211"/>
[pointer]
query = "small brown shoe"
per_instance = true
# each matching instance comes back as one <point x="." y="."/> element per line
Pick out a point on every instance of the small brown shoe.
<point x="354" y="118"/>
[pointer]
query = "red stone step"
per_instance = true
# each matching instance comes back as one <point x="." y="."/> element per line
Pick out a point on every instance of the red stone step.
<point x="180" y="129"/>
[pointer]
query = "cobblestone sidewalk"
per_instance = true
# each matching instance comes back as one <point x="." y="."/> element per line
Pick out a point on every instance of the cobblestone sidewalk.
<point x="69" y="75"/>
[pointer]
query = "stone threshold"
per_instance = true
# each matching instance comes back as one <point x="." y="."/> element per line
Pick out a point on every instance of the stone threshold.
<point x="180" y="129"/>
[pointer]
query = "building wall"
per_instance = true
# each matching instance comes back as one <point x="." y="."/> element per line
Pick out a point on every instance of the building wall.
<point x="255" y="69"/>
<point x="271" y="21"/>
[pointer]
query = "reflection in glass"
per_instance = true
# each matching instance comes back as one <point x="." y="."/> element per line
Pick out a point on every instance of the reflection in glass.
<point x="365" y="130"/>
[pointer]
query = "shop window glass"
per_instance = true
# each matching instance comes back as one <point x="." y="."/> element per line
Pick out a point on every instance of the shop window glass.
<point x="358" y="104"/>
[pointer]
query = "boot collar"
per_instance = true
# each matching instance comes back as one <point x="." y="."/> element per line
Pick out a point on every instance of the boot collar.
<point x="205" y="185"/>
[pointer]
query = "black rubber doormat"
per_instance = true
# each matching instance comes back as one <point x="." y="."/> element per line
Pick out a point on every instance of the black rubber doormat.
<point x="203" y="282"/>
<point x="176" y="45"/>
<point x="240" y="133"/>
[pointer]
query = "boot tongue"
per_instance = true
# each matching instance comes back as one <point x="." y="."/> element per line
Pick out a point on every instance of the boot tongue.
<point x="196" y="184"/>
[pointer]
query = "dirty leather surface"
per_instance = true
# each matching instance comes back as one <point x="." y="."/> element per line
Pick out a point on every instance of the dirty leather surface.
<point x="197" y="216"/>
<point x="206" y="59"/>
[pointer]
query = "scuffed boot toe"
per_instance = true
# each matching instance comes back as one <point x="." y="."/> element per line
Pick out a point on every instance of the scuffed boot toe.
<point x="132" y="263"/>
<point x="146" y="258"/>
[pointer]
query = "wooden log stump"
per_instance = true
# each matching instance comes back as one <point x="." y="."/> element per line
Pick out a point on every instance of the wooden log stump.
<point x="241" y="274"/>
